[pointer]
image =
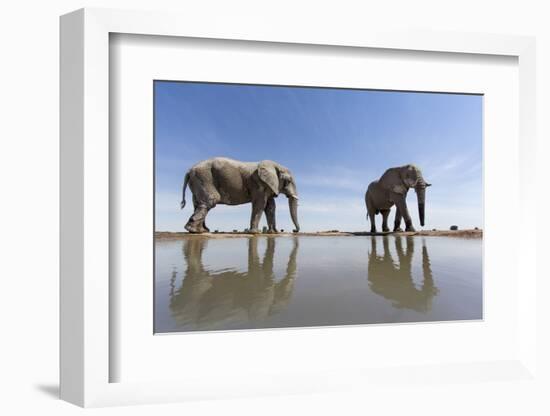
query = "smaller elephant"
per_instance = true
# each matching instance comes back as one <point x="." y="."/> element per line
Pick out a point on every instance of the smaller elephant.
<point x="391" y="189"/>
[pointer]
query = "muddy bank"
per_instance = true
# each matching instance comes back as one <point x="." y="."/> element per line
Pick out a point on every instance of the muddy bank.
<point x="166" y="235"/>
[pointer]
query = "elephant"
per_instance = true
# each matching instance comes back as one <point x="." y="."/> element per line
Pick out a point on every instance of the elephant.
<point x="230" y="182"/>
<point x="394" y="281"/>
<point x="228" y="298"/>
<point x="391" y="189"/>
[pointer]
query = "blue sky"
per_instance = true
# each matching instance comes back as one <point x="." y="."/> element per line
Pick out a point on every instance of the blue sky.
<point x="335" y="141"/>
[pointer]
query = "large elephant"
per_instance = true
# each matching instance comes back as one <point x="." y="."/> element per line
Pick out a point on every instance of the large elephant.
<point x="391" y="189"/>
<point x="230" y="182"/>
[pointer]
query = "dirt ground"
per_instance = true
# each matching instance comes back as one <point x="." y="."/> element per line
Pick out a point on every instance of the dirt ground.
<point x="474" y="233"/>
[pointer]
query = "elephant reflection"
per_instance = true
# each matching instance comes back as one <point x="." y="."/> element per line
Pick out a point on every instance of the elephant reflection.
<point x="215" y="299"/>
<point x="394" y="280"/>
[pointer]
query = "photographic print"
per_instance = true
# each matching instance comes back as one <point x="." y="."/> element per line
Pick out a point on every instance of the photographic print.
<point x="290" y="206"/>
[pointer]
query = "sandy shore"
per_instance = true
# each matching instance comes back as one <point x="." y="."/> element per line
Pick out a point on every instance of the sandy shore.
<point x="167" y="235"/>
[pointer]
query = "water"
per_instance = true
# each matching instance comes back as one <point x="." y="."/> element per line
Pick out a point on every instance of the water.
<point x="275" y="282"/>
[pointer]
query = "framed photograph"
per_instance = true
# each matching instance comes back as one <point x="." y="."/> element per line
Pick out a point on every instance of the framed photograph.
<point x="347" y="150"/>
<point x="318" y="199"/>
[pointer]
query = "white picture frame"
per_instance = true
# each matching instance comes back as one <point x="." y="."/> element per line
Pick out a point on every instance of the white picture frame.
<point x="85" y="205"/>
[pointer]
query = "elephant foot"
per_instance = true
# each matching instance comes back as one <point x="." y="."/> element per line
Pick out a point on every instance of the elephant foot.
<point x="410" y="229"/>
<point x="272" y="231"/>
<point x="253" y="231"/>
<point x="373" y="230"/>
<point x="398" y="230"/>
<point x="194" y="230"/>
<point x="385" y="229"/>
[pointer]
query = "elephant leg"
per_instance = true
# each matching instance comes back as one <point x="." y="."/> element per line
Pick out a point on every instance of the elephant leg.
<point x="270" y="215"/>
<point x="205" y="197"/>
<point x="208" y="208"/>
<point x="397" y="221"/>
<point x="196" y="205"/>
<point x="372" y="221"/>
<point x="204" y="224"/>
<point x="258" y="206"/>
<point x="196" y="221"/>
<point x="402" y="207"/>
<point x="371" y="212"/>
<point x="385" y="214"/>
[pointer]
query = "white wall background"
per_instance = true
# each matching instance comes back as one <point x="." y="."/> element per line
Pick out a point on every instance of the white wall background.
<point x="29" y="206"/>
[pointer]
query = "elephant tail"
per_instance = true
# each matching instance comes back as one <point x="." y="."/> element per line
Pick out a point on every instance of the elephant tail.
<point x="185" y="182"/>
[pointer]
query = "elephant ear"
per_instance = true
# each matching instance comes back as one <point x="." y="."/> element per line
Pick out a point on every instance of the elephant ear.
<point x="392" y="180"/>
<point x="399" y="189"/>
<point x="410" y="175"/>
<point x="268" y="174"/>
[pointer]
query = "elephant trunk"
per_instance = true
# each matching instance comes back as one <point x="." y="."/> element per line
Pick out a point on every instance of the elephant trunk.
<point x="293" y="208"/>
<point x="421" y="195"/>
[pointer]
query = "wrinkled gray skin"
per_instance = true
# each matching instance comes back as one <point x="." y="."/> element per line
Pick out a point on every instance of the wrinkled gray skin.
<point x="391" y="189"/>
<point x="230" y="182"/>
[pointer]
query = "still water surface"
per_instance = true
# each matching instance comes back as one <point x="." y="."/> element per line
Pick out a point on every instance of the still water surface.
<point x="275" y="282"/>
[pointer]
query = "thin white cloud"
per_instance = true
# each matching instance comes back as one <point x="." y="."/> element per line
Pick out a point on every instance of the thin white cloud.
<point x="340" y="206"/>
<point x="455" y="168"/>
<point x="325" y="181"/>
<point x="336" y="177"/>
